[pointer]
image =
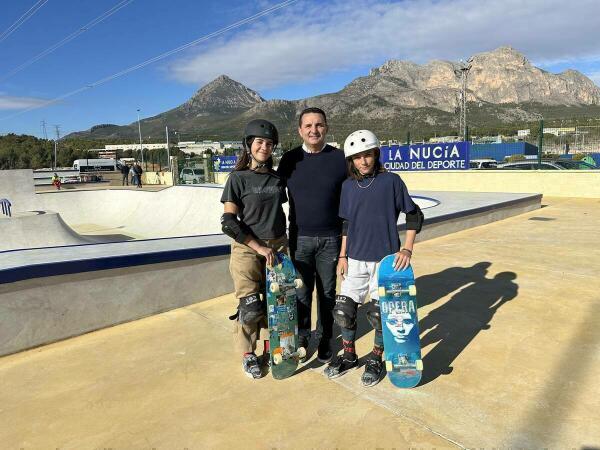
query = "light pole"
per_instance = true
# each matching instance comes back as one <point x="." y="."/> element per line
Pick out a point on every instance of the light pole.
<point x="463" y="72"/>
<point x="140" y="133"/>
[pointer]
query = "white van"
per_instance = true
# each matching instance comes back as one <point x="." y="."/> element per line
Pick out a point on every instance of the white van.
<point x="95" y="165"/>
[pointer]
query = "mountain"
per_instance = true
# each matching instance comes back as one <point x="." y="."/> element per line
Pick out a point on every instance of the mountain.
<point x="503" y="88"/>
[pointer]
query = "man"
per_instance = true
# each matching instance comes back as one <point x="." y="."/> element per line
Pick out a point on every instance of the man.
<point x="125" y="174"/>
<point x="314" y="173"/>
<point x="138" y="172"/>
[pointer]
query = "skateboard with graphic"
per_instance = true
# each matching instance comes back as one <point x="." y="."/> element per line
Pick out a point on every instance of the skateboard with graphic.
<point x="400" y="324"/>
<point x="282" y="315"/>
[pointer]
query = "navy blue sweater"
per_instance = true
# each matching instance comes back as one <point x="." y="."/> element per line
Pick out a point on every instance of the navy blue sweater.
<point x="314" y="182"/>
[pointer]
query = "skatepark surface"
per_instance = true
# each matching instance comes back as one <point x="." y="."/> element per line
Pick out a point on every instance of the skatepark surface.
<point x="510" y="328"/>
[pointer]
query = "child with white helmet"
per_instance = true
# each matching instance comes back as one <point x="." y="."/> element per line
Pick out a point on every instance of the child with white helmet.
<point x="371" y="201"/>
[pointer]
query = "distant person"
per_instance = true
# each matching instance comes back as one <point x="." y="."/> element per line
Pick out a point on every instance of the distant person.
<point x="56" y="181"/>
<point x="125" y="173"/>
<point x="371" y="201"/>
<point x="314" y="173"/>
<point x="253" y="217"/>
<point x="138" y="171"/>
<point x="133" y="175"/>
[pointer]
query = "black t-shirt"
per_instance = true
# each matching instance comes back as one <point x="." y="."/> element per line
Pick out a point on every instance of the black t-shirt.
<point x="259" y="197"/>
<point x="314" y="182"/>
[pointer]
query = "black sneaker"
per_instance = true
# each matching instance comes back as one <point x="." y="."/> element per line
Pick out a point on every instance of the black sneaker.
<point x="324" y="353"/>
<point x="373" y="372"/>
<point x="251" y="367"/>
<point x="265" y="359"/>
<point x="303" y="342"/>
<point x="341" y="365"/>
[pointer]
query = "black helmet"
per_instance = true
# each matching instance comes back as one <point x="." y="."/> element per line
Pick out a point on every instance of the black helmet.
<point x="261" y="128"/>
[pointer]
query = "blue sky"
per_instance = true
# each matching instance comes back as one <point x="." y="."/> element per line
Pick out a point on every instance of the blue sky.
<point x="307" y="48"/>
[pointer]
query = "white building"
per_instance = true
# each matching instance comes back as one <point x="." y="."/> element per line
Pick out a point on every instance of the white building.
<point x="135" y="146"/>
<point x="559" y="131"/>
<point x="200" y="147"/>
<point x="523" y="133"/>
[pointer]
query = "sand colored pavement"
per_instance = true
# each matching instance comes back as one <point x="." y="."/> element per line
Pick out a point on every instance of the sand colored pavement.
<point x="510" y="327"/>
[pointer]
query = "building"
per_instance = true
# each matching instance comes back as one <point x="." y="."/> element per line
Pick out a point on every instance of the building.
<point x="200" y="147"/>
<point x="524" y="133"/>
<point x="135" y="146"/>
<point x="559" y="131"/>
<point x="500" y="152"/>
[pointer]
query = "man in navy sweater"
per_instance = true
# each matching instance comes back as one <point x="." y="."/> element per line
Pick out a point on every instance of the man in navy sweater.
<point x="314" y="173"/>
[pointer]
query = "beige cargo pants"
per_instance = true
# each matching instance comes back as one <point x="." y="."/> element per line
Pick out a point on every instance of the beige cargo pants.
<point x="247" y="270"/>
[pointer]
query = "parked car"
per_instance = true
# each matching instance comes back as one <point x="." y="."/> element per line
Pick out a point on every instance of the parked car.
<point x="487" y="163"/>
<point x="190" y="175"/>
<point x="558" y="164"/>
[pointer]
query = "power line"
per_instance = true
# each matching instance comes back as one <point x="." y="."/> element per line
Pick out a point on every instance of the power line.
<point x="68" y="39"/>
<point x="21" y="20"/>
<point x="156" y="58"/>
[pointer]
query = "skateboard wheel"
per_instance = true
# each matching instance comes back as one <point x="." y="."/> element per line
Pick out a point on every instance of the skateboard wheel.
<point x="381" y="291"/>
<point x="275" y="288"/>
<point x="419" y="364"/>
<point x="412" y="290"/>
<point x="301" y="352"/>
<point x="298" y="283"/>
<point x="389" y="366"/>
<point x="277" y="358"/>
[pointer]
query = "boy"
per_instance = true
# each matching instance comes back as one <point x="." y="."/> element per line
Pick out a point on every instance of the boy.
<point x="371" y="202"/>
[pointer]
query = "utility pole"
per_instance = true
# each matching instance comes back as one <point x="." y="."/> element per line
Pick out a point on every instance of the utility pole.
<point x="140" y="132"/>
<point x="463" y="72"/>
<point x="57" y="128"/>
<point x="45" y="134"/>
<point x="168" y="151"/>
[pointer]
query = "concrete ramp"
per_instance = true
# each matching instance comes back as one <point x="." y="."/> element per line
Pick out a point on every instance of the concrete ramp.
<point x="33" y="229"/>
<point x="132" y="214"/>
<point x="17" y="186"/>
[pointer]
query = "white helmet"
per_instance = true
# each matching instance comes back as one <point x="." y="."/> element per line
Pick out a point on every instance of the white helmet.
<point x="360" y="141"/>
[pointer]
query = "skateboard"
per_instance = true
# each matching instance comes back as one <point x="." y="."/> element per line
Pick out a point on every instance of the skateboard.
<point x="400" y="324"/>
<point x="282" y="313"/>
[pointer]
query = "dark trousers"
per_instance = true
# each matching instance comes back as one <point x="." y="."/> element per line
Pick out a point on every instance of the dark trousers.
<point x="125" y="179"/>
<point x="316" y="260"/>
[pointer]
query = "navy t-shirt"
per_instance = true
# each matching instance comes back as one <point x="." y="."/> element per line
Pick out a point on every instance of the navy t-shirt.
<point x="314" y="182"/>
<point x="372" y="207"/>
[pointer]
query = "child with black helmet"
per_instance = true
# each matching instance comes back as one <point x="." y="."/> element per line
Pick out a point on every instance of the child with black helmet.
<point x="253" y="217"/>
<point x="371" y="201"/>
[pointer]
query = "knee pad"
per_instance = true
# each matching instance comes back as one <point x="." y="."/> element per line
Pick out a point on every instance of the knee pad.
<point x="251" y="309"/>
<point x="344" y="312"/>
<point x="374" y="315"/>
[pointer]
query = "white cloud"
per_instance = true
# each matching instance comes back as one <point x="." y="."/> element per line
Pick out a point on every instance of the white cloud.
<point x="315" y="38"/>
<point x="8" y="102"/>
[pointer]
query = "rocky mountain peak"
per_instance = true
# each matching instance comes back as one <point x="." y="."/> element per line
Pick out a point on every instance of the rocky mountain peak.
<point x="223" y="94"/>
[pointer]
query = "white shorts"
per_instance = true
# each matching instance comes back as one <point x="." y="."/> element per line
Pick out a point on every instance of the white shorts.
<point x="360" y="280"/>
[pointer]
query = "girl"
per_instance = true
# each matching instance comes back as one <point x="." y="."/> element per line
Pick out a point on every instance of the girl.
<point x="370" y="204"/>
<point x="253" y="217"/>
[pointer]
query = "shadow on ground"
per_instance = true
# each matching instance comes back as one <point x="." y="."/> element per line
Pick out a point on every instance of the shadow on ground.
<point x="453" y="325"/>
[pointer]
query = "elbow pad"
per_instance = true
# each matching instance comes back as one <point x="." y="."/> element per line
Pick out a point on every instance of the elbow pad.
<point x="233" y="228"/>
<point x="345" y="228"/>
<point x="415" y="219"/>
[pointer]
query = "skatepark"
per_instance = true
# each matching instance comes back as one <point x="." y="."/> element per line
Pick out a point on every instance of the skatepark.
<point x="114" y="334"/>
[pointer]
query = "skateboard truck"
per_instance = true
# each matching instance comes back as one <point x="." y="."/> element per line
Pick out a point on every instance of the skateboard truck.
<point x="411" y="290"/>
<point x="276" y="287"/>
<point x="298" y="354"/>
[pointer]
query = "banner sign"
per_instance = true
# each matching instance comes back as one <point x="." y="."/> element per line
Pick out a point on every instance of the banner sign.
<point x="438" y="156"/>
<point x="224" y="163"/>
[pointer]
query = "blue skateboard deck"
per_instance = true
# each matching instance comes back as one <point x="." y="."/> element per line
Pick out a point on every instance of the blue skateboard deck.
<point x="400" y="324"/>
<point x="282" y="313"/>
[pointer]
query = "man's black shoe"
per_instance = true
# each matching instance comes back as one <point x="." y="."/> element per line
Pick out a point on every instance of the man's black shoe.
<point x="324" y="352"/>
